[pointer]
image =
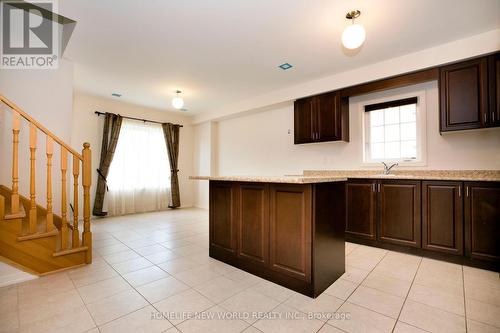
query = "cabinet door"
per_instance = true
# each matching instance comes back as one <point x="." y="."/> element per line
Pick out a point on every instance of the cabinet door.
<point x="399" y="212"/>
<point x="304" y="120"/>
<point x="222" y="216"/>
<point x="361" y="208"/>
<point x="327" y="108"/>
<point x="482" y="220"/>
<point x="290" y="230"/>
<point x="253" y="222"/>
<point x="442" y="218"/>
<point x="463" y="95"/>
<point x="494" y="88"/>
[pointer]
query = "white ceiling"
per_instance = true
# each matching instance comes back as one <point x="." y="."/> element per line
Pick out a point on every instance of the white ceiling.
<point x="219" y="52"/>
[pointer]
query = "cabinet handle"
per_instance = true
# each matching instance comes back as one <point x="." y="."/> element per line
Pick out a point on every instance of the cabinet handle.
<point x="467" y="191"/>
<point x="485" y="118"/>
<point x="460" y="191"/>
<point x="373" y="187"/>
<point x="379" y="187"/>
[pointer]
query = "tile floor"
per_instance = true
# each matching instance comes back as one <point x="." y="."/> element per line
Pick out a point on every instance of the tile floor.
<point x="151" y="273"/>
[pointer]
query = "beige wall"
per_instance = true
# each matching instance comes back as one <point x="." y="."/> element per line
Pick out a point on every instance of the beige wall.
<point x="88" y="127"/>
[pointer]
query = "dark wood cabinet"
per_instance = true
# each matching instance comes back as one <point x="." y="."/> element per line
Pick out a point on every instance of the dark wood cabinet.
<point x="463" y="89"/>
<point x="253" y="222"/>
<point x="442" y="216"/>
<point x="222" y="219"/>
<point x="361" y="208"/>
<point x="291" y="234"/>
<point x="399" y="212"/>
<point x="494" y="88"/>
<point x="321" y="118"/>
<point x="482" y="220"/>
<point x="290" y="230"/>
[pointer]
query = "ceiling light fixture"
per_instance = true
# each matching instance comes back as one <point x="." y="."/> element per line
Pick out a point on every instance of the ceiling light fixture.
<point x="177" y="101"/>
<point x="355" y="34"/>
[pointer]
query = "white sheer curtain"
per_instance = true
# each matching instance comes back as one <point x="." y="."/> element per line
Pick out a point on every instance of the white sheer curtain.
<point x="139" y="176"/>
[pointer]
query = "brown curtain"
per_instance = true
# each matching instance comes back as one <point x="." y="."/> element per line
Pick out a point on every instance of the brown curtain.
<point x="171" y="133"/>
<point x="112" y="125"/>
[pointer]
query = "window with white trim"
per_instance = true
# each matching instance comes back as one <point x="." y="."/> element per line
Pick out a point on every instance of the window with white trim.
<point x="393" y="131"/>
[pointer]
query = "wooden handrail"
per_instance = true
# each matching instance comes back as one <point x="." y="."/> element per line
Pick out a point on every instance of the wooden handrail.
<point x="40" y="126"/>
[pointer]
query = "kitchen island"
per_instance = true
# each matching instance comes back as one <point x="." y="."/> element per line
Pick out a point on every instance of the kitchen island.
<point x="288" y="230"/>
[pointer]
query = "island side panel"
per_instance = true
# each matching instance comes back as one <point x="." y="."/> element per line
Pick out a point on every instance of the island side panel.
<point x="329" y="216"/>
<point x="223" y="217"/>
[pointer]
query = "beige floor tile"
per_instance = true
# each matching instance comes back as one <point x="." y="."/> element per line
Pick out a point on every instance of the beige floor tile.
<point x="329" y="329"/>
<point x="102" y="289"/>
<point x="219" y="289"/>
<point x="478" y="327"/>
<point x="377" y="300"/>
<point x="249" y="304"/>
<point x="212" y="321"/>
<point x="183" y="306"/>
<point x="243" y="277"/>
<point x="113" y="307"/>
<point x="172" y="244"/>
<point x="45" y="286"/>
<point x="341" y="288"/>
<point x="150" y="249"/>
<point x="483" y="312"/>
<point x="91" y="274"/>
<point x="476" y="276"/>
<point x="131" y="265"/>
<point x="437" y="298"/>
<point x="251" y="329"/>
<point x="120" y="257"/>
<point x="160" y="289"/>
<point x="37" y="309"/>
<point x="481" y="289"/>
<point x="272" y="290"/>
<point x="322" y="307"/>
<point x="104" y="242"/>
<point x="284" y="319"/>
<point x="111" y="249"/>
<point x="65" y="320"/>
<point x="388" y="284"/>
<point x="189" y="249"/>
<point x="354" y="274"/>
<point x="353" y="318"/>
<point x="160" y="257"/>
<point x="178" y="265"/>
<point x="145" y="275"/>
<point x="438" y="279"/>
<point x="136" y="322"/>
<point x="9" y="321"/>
<point x="430" y="318"/>
<point x="196" y="276"/>
<point x="406" y="328"/>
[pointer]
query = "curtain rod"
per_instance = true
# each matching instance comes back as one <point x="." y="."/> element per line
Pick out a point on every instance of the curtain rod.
<point x="139" y="119"/>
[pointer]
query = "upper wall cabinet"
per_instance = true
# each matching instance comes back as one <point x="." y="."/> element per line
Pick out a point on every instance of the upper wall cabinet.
<point x="321" y="118"/>
<point x="463" y="89"/>
<point x="469" y="94"/>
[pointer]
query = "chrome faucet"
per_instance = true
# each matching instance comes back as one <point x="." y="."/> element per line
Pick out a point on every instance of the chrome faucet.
<point x="387" y="169"/>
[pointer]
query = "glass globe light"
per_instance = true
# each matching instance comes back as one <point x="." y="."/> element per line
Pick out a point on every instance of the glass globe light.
<point x="177" y="101"/>
<point x="353" y="36"/>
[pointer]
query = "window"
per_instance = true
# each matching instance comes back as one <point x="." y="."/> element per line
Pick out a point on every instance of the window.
<point x="393" y="131"/>
<point x="139" y="175"/>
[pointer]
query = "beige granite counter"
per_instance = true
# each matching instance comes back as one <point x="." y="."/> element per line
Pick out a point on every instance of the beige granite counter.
<point x="459" y="175"/>
<point x="292" y="179"/>
<point x="325" y="176"/>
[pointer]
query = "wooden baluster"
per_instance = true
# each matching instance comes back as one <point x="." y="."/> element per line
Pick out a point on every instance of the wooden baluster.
<point x="64" y="221"/>
<point x="86" y="182"/>
<point x="33" y="210"/>
<point x="14" y="201"/>
<point x="76" y="172"/>
<point x="50" y="151"/>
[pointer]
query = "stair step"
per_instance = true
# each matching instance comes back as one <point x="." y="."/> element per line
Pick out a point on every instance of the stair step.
<point x="38" y="235"/>
<point x="20" y="215"/>
<point x="65" y="252"/>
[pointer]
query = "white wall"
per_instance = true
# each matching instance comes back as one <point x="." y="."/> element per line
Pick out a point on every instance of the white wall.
<point x="47" y="95"/>
<point x="88" y="127"/>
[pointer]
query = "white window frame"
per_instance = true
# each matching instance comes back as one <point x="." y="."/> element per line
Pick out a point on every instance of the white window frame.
<point x="421" y="129"/>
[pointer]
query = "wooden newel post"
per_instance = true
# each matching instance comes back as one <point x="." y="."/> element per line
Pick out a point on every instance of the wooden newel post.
<point x="86" y="182"/>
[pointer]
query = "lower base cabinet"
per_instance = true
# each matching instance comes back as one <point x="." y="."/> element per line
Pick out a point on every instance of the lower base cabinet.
<point x="482" y="221"/>
<point x="291" y="234"/>
<point x="451" y="220"/>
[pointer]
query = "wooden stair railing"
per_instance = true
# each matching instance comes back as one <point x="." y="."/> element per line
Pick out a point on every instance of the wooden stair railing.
<point x="86" y="168"/>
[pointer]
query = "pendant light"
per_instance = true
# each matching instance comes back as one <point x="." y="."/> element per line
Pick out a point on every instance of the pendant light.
<point x="354" y="35"/>
<point x="177" y="101"/>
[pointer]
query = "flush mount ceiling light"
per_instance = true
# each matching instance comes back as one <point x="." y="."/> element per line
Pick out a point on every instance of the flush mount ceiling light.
<point x="354" y="35"/>
<point x="177" y="101"/>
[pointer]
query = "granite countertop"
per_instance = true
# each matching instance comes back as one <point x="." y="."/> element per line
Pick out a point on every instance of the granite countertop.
<point x="325" y="176"/>
<point x="292" y="179"/>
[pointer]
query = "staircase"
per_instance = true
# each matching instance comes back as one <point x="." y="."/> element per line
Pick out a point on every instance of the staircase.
<point x="31" y="234"/>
